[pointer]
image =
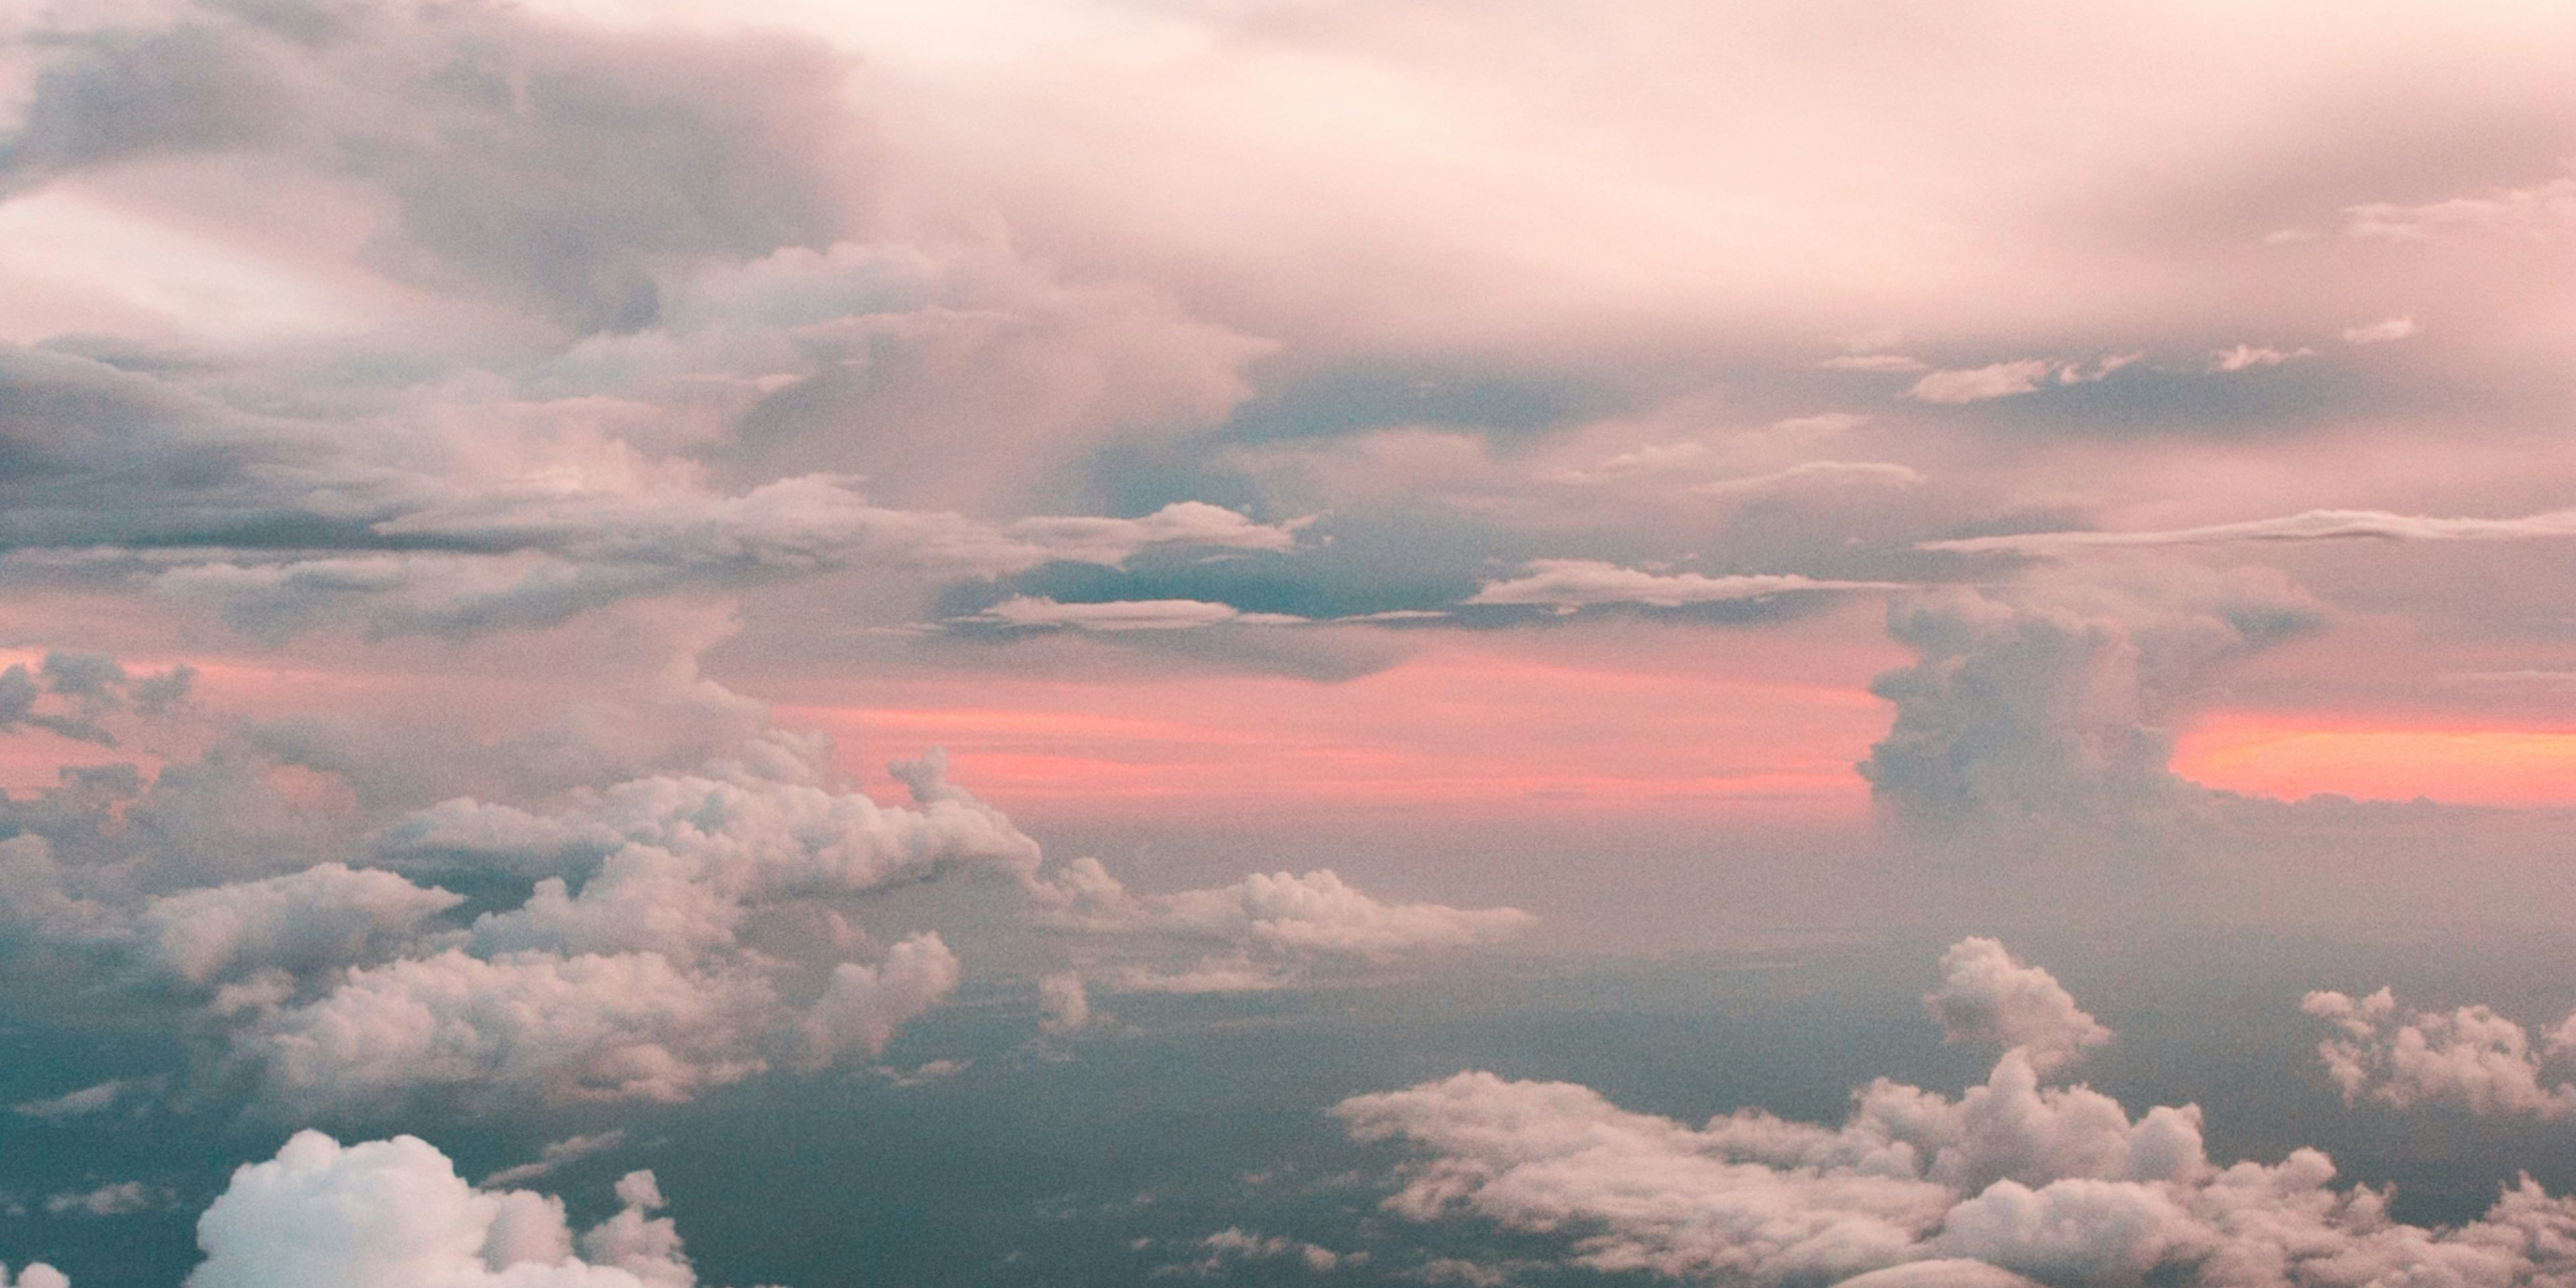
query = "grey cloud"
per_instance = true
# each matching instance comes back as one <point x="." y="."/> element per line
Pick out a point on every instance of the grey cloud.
<point x="562" y="169"/>
<point x="2044" y="704"/>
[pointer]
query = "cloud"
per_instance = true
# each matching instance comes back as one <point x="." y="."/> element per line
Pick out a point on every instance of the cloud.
<point x="2046" y="704"/>
<point x="1990" y="998"/>
<point x="83" y="688"/>
<point x="2012" y="1181"/>
<point x="323" y="916"/>
<point x="1275" y="924"/>
<point x="1977" y="384"/>
<point x="2246" y="357"/>
<point x="1063" y="1005"/>
<point x="1038" y="612"/>
<point x="2381" y="332"/>
<point x="35" y="1274"/>
<point x="2471" y="1058"/>
<point x="1882" y="362"/>
<point x="864" y="1005"/>
<point x="554" y="1155"/>
<point x="1232" y="1245"/>
<point x="1814" y="474"/>
<point x="616" y="157"/>
<point x="1575" y="583"/>
<point x="394" y="1214"/>
<point x="2307" y="525"/>
<point x="2538" y="211"/>
<point x="2006" y="379"/>
<point x="121" y="1198"/>
<point x="94" y="1099"/>
<point x="533" y="561"/>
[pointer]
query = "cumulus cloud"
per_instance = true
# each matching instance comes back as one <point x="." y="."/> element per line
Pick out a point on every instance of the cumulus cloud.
<point x="2047" y="702"/>
<point x="863" y="1006"/>
<point x="2470" y="1058"/>
<point x="394" y="1214"/>
<point x="2010" y="1182"/>
<point x="2307" y="525"/>
<point x="35" y="1274"/>
<point x="1989" y="997"/>
<point x="1275" y="924"/>
<point x="1036" y="612"/>
<point x="1577" y="583"/>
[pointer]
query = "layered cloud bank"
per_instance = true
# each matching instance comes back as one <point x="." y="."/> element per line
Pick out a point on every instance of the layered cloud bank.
<point x="2016" y="1179"/>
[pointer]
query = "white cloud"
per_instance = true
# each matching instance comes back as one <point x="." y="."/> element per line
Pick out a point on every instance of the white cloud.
<point x="1125" y="615"/>
<point x="2006" y="379"/>
<point x="122" y="1198"/>
<point x="2538" y="211"/>
<point x="522" y="1027"/>
<point x="864" y="1005"/>
<point x="2471" y="1058"/>
<point x="2246" y="357"/>
<point x="1989" y="997"/>
<point x="1273" y="924"/>
<point x="1884" y="362"/>
<point x="1814" y="474"/>
<point x="77" y="1104"/>
<point x="36" y="1274"/>
<point x="2381" y="332"/>
<point x="1232" y="1245"/>
<point x="554" y="1155"/>
<point x="1977" y="384"/>
<point x="394" y="1214"/>
<point x="322" y="916"/>
<point x="2308" y="525"/>
<point x="2010" y="1182"/>
<point x="1575" y="583"/>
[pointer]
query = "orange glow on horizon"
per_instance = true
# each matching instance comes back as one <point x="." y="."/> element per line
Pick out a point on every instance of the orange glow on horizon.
<point x="1464" y="725"/>
<point x="2287" y="758"/>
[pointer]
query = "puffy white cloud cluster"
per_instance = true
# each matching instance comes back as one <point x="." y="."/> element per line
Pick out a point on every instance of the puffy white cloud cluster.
<point x="1274" y="924"/>
<point x="641" y="985"/>
<point x="703" y="943"/>
<point x="2012" y="1179"/>
<point x="394" y="1214"/>
<point x="35" y="1275"/>
<point x="2471" y="1058"/>
<point x="1988" y="996"/>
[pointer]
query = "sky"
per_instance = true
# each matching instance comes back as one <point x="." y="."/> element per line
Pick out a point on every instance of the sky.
<point x="651" y="645"/>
